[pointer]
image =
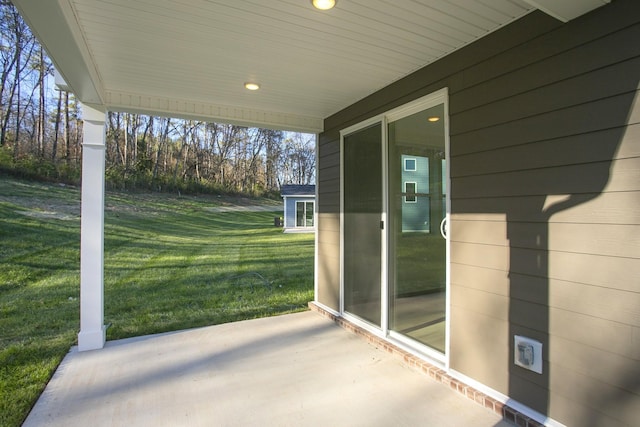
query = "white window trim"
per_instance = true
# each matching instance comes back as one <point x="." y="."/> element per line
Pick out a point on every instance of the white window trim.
<point x="295" y="219"/>
<point x="415" y="192"/>
<point x="415" y="164"/>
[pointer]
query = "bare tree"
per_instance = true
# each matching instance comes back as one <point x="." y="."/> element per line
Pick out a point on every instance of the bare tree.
<point x="273" y="153"/>
<point x="161" y="147"/>
<point x="298" y="159"/>
<point x="43" y="71"/>
<point x="56" y="127"/>
<point x="21" y="40"/>
<point x="67" y="130"/>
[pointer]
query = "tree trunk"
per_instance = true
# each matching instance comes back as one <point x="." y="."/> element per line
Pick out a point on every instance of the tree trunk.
<point x="77" y="132"/>
<point x="16" y="143"/>
<point x="56" y="128"/>
<point x="14" y="65"/>
<point x="41" y="103"/>
<point x="161" y="144"/>
<point x="6" y="107"/>
<point x="14" y="86"/>
<point x="67" y="130"/>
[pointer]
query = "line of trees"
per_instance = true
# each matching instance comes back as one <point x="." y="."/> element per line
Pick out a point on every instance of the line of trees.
<point x="41" y="136"/>
<point x="156" y="152"/>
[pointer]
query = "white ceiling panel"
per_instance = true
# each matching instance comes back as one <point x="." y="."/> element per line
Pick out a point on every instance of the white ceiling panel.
<point x="192" y="57"/>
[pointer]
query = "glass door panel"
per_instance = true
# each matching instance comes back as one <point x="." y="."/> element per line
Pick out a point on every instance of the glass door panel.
<point x="417" y="250"/>
<point x="362" y="211"/>
<point x="309" y="214"/>
<point x="300" y="214"/>
<point x="304" y="214"/>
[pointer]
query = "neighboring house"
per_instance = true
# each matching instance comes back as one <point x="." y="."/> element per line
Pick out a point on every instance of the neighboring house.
<point x="511" y="262"/>
<point x="420" y="195"/>
<point x="299" y="207"/>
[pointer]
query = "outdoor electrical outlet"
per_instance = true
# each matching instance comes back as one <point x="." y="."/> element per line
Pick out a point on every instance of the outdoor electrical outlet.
<point x="527" y="353"/>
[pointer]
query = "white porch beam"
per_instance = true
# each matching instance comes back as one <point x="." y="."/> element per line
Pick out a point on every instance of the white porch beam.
<point x="92" y="334"/>
<point x="566" y="10"/>
<point x="192" y="110"/>
<point x="56" y="26"/>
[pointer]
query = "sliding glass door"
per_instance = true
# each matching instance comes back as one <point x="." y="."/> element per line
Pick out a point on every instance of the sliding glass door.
<point x="362" y="236"/>
<point x="417" y="208"/>
<point x="394" y="207"/>
<point x="304" y="214"/>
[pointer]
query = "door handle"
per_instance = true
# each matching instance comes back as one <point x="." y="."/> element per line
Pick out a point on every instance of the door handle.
<point x="444" y="227"/>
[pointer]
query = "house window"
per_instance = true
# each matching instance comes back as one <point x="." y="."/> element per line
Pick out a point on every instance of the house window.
<point x="304" y="214"/>
<point x="410" y="190"/>
<point x="410" y="165"/>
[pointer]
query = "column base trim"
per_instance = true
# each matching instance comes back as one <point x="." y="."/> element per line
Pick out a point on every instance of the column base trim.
<point x="92" y="340"/>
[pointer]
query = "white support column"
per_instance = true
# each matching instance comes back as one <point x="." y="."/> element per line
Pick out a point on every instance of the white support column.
<point x="92" y="334"/>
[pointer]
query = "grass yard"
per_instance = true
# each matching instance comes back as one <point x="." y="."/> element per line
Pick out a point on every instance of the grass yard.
<point x="170" y="263"/>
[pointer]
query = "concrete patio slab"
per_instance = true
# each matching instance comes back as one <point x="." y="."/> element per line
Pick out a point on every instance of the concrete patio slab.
<point x="293" y="370"/>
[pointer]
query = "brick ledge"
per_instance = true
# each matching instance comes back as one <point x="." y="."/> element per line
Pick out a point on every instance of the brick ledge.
<point x="506" y="412"/>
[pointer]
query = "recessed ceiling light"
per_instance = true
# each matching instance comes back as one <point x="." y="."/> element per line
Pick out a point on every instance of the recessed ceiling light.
<point x="433" y="119"/>
<point x="252" y="86"/>
<point x="323" y="4"/>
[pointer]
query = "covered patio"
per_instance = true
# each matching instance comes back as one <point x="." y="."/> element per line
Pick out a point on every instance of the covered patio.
<point x="351" y="73"/>
<point x="297" y="369"/>
<point x="281" y="64"/>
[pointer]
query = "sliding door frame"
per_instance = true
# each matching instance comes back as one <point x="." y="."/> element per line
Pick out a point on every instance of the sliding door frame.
<point x="420" y="104"/>
<point x="373" y="329"/>
<point x="437" y="98"/>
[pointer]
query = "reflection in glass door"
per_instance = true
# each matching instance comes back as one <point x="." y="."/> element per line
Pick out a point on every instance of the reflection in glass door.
<point x="417" y="208"/>
<point x="362" y="236"/>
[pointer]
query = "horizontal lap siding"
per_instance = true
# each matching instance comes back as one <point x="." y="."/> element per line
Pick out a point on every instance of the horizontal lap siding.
<point x="612" y="240"/>
<point x="578" y="149"/>
<point x="545" y="221"/>
<point x="545" y="167"/>
<point x="599" y="208"/>
<point x="328" y="225"/>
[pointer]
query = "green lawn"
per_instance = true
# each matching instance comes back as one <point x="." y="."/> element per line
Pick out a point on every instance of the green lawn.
<point x="170" y="263"/>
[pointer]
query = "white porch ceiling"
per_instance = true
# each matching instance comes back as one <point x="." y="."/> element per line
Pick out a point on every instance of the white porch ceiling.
<point x="190" y="58"/>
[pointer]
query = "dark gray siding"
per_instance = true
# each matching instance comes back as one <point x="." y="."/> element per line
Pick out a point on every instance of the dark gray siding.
<point x="545" y="166"/>
<point x="328" y="226"/>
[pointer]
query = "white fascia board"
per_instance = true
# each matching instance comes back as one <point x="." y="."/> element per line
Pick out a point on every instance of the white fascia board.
<point x="566" y="10"/>
<point x="54" y="24"/>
